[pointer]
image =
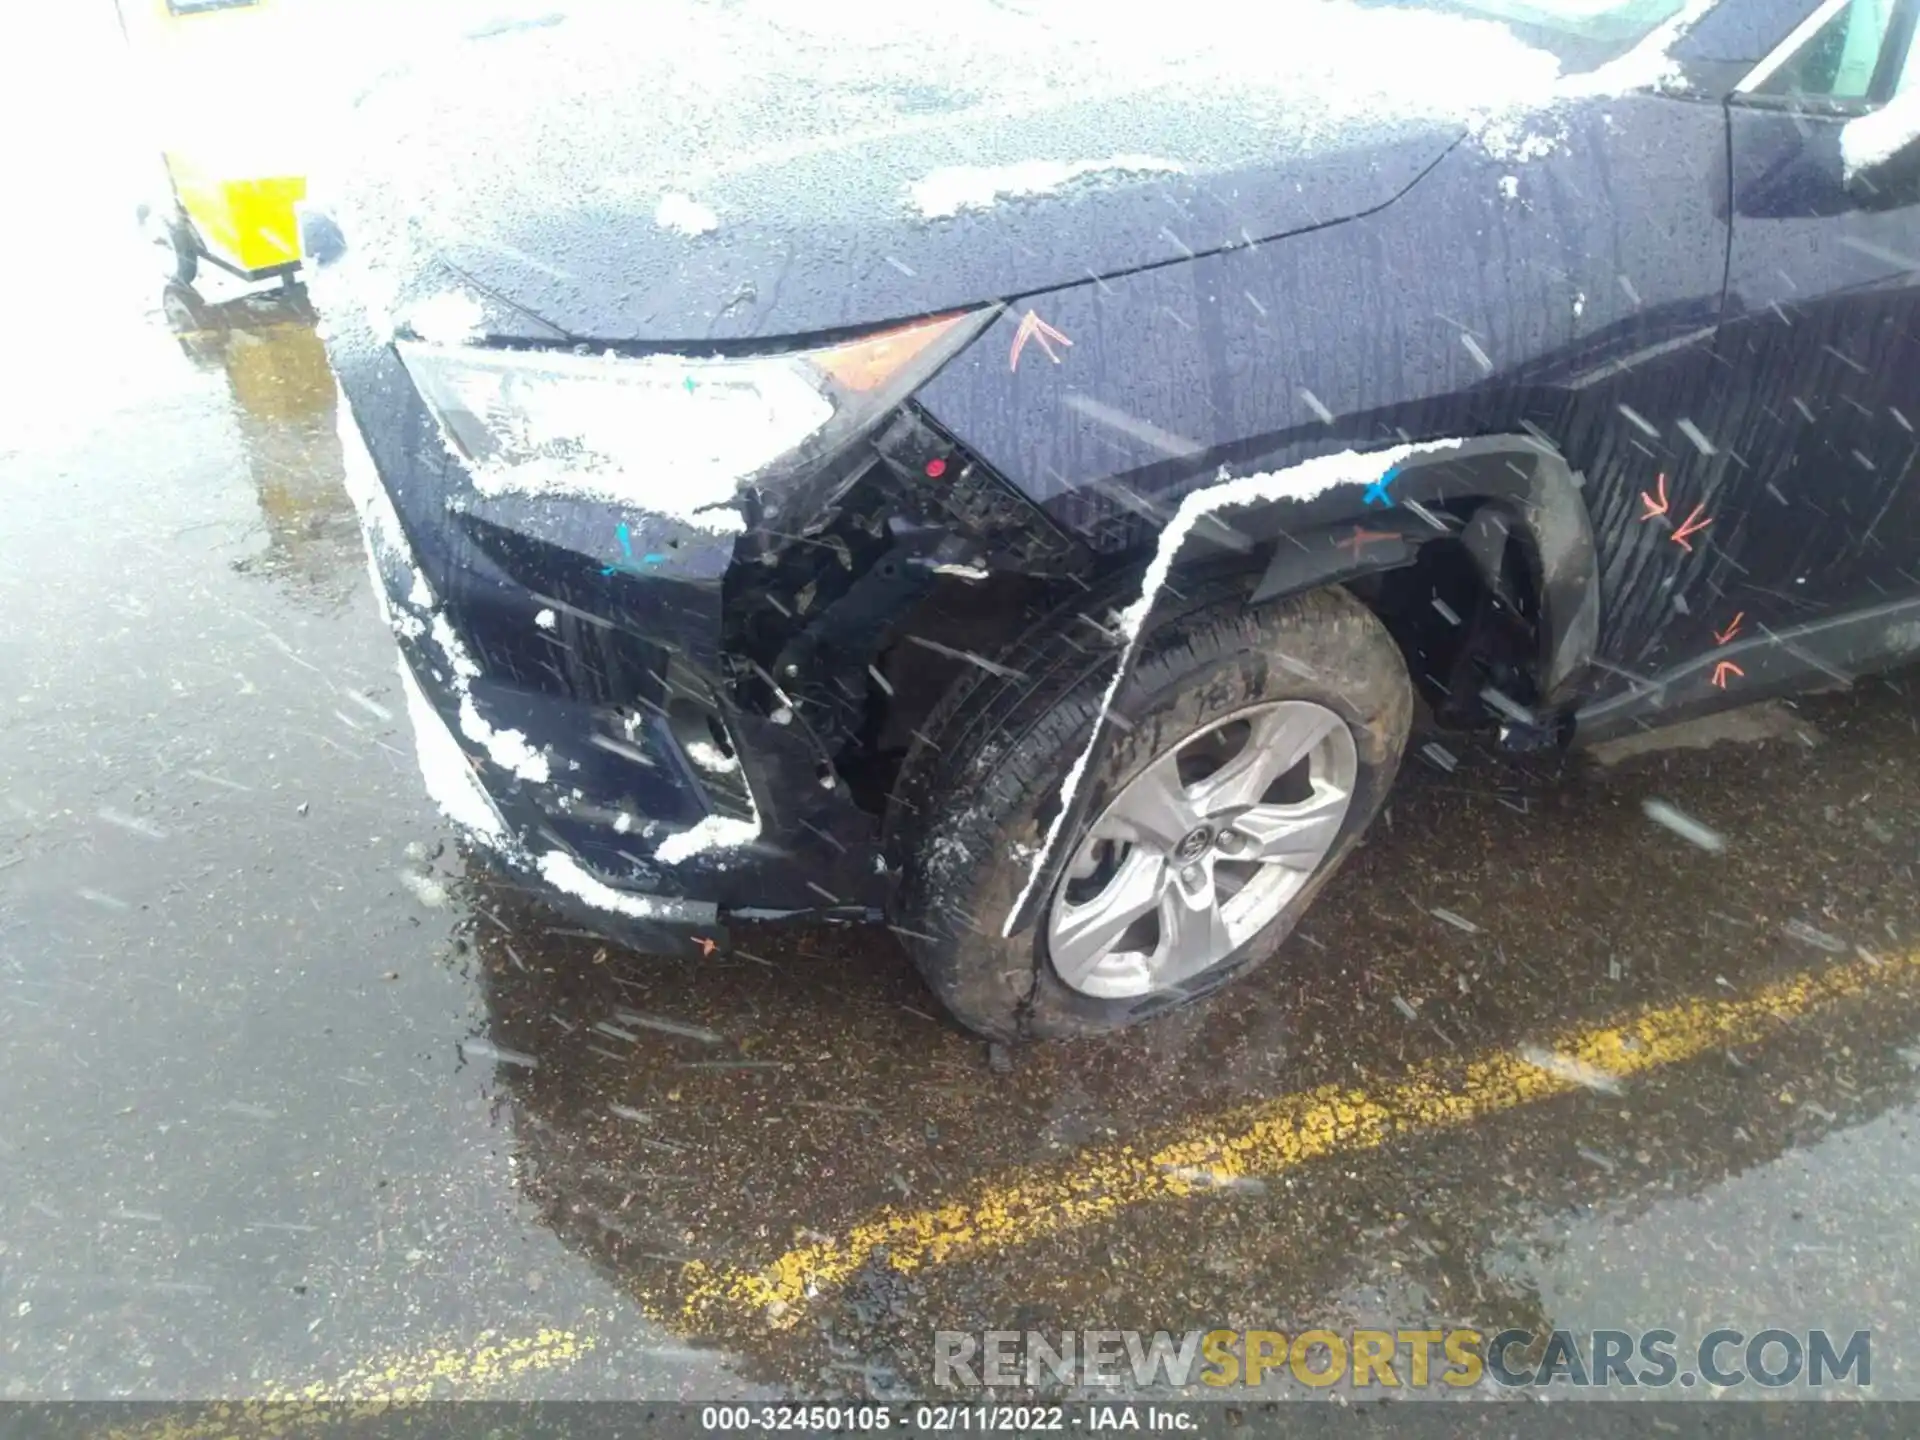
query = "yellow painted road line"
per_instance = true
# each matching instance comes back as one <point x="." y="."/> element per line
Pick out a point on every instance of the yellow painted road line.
<point x="444" y="1373"/>
<point x="1260" y="1140"/>
<point x="1273" y="1137"/>
<point x="369" y="1390"/>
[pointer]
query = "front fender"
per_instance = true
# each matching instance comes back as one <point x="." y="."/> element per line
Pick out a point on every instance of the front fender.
<point x="1329" y="495"/>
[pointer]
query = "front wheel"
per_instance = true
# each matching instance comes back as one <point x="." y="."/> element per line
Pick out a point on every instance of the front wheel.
<point x="1249" y="748"/>
<point x="169" y="230"/>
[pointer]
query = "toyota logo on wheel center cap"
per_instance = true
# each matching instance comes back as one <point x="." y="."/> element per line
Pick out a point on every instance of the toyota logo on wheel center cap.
<point x="1195" y="844"/>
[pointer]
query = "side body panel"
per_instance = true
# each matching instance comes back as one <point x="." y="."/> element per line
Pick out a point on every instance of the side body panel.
<point x="1574" y="296"/>
<point x="1823" y="330"/>
<point x="1807" y="570"/>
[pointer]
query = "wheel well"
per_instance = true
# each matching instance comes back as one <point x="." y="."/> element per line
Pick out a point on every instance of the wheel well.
<point x="1460" y="633"/>
<point x="926" y="651"/>
<point x="1465" y="634"/>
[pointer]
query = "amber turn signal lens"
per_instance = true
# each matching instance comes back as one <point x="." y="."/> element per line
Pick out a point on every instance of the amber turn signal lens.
<point x="869" y="363"/>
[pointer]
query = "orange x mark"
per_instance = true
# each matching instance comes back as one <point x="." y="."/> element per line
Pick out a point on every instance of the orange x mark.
<point x="1722" y="670"/>
<point x="1361" y="535"/>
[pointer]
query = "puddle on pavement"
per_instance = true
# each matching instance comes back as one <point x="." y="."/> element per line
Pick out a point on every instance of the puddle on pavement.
<point x="282" y="406"/>
<point x="727" y="1111"/>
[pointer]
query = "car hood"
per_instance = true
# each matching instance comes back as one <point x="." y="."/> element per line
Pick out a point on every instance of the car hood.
<point x="728" y="169"/>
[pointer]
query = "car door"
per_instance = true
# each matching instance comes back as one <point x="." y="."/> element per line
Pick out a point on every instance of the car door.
<point x="1818" y="543"/>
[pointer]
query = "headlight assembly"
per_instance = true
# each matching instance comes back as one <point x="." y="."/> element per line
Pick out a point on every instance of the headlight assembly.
<point x="670" y="434"/>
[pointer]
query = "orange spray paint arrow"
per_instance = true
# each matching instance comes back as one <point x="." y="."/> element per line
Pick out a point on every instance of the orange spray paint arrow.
<point x="1721" y="637"/>
<point x="1654" y="506"/>
<point x="1721" y="671"/>
<point x="1032" y="327"/>
<point x="1690" y="526"/>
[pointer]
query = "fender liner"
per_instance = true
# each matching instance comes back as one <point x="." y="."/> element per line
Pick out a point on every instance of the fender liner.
<point x="1524" y="491"/>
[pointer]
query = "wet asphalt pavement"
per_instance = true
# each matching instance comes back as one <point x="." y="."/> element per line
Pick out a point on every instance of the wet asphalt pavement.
<point x="293" y="1099"/>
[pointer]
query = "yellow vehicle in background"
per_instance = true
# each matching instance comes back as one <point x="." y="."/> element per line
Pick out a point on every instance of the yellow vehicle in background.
<point x="217" y="77"/>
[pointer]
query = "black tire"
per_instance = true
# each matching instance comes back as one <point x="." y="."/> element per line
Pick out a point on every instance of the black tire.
<point x="195" y="325"/>
<point x="180" y="261"/>
<point x="981" y="787"/>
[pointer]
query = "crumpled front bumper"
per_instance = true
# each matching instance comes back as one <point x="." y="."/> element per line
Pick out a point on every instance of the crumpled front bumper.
<point x="570" y="699"/>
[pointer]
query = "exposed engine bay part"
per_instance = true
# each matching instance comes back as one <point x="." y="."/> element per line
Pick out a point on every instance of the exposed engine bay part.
<point x="925" y="566"/>
<point x="810" y="610"/>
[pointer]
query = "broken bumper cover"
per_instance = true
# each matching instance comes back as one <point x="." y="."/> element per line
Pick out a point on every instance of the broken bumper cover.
<point x="562" y="659"/>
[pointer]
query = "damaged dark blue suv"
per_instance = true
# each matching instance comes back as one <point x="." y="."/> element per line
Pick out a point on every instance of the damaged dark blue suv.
<point x="1010" y="468"/>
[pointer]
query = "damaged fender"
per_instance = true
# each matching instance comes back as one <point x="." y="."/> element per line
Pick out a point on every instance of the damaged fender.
<point x="1523" y="492"/>
<point x="1510" y="487"/>
<point x="1348" y="470"/>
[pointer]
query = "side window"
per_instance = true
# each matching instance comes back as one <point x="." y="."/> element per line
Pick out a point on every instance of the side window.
<point x="1831" y="60"/>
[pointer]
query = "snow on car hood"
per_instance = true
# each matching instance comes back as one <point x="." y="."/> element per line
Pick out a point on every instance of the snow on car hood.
<point x="733" y="168"/>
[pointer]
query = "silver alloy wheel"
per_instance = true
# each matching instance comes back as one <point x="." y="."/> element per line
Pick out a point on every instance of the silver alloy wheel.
<point x="1202" y="849"/>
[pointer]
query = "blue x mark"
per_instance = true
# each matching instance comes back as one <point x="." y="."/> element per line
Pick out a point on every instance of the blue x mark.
<point x="1377" y="491"/>
<point x="625" y="537"/>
